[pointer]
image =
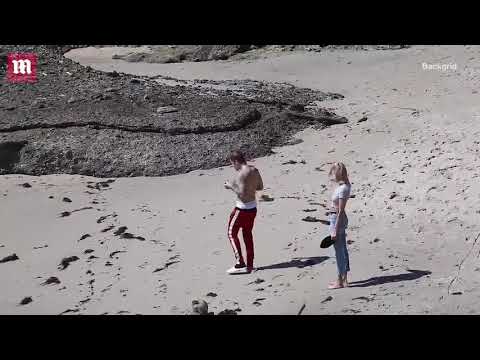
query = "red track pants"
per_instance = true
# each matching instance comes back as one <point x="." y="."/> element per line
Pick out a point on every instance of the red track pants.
<point x="242" y="219"/>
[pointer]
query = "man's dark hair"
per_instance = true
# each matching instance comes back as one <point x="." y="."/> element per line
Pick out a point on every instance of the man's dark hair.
<point x="237" y="155"/>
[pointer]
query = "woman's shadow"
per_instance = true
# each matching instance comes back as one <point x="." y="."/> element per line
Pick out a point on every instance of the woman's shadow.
<point x="299" y="262"/>
<point x="379" y="280"/>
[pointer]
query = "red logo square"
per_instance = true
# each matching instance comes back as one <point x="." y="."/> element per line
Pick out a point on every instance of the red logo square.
<point x="22" y="67"/>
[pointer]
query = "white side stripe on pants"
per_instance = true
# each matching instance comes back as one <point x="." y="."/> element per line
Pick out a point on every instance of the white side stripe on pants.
<point x="230" y="237"/>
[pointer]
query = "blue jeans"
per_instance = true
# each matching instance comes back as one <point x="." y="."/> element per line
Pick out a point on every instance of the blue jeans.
<point x="340" y="244"/>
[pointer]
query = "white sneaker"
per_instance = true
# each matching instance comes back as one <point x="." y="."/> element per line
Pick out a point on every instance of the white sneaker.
<point x="238" y="270"/>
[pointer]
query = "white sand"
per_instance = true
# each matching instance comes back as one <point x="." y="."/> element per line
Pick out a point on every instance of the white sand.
<point x="430" y="230"/>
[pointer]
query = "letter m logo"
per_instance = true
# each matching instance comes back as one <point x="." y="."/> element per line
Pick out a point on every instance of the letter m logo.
<point x="22" y="67"/>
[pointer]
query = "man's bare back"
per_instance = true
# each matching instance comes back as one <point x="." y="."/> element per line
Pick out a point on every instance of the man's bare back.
<point x="246" y="183"/>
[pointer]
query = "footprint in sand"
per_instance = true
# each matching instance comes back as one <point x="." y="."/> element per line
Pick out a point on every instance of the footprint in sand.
<point x="103" y="218"/>
<point x="66" y="262"/>
<point x="120" y="230"/>
<point x="167" y="264"/>
<point x="70" y="311"/>
<point x="9" y="258"/>
<point x="26" y="300"/>
<point x="84" y="237"/>
<point x="131" y="236"/>
<point x="258" y="301"/>
<point x="108" y="228"/>
<point x="112" y="254"/>
<point x="68" y="213"/>
<point x="51" y="280"/>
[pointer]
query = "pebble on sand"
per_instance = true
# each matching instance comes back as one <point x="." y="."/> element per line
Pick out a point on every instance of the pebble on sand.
<point x="311" y="219"/>
<point x="12" y="257"/>
<point x="120" y="230"/>
<point x="84" y="237"/>
<point x="51" y="280"/>
<point x="70" y="311"/>
<point x="101" y="219"/>
<point x="257" y="281"/>
<point x="266" y="198"/>
<point x="66" y="262"/>
<point x="26" y="300"/>
<point x="199" y="307"/>
<point x="327" y="299"/>
<point x="112" y="254"/>
<point x="108" y="228"/>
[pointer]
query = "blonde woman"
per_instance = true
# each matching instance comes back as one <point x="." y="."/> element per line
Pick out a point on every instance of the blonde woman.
<point x="339" y="222"/>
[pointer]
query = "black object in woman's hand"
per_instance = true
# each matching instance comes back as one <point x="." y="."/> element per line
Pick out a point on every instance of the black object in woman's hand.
<point x="327" y="242"/>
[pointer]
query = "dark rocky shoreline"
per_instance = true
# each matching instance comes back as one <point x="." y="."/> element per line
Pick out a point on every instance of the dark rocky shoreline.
<point x="76" y="120"/>
<point x="194" y="53"/>
<point x="179" y="53"/>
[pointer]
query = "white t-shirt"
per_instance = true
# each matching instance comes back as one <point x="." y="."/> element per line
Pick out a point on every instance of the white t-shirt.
<point x="341" y="192"/>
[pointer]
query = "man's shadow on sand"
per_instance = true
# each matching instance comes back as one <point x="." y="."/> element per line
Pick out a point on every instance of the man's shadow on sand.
<point x="379" y="280"/>
<point x="300" y="262"/>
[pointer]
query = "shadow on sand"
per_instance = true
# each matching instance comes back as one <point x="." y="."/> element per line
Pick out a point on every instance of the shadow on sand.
<point x="379" y="280"/>
<point x="296" y="262"/>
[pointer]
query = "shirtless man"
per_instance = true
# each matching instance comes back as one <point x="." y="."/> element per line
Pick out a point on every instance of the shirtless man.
<point x="245" y="184"/>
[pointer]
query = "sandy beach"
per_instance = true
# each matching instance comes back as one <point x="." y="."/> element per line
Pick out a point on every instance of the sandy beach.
<point x="413" y="234"/>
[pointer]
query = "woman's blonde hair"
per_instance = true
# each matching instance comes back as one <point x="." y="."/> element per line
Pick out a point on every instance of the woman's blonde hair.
<point x="340" y="172"/>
